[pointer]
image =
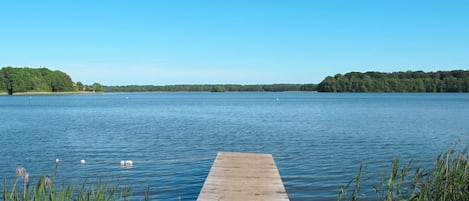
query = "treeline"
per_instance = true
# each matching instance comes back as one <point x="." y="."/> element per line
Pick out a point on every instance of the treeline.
<point x="409" y="81"/>
<point x="17" y="80"/>
<point x="213" y="88"/>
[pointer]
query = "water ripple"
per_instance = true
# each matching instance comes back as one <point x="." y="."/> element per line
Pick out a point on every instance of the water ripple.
<point x="318" y="140"/>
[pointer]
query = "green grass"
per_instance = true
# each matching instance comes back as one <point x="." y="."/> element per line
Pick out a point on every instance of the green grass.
<point x="448" y="180"/>
<point x="46" y="189"/>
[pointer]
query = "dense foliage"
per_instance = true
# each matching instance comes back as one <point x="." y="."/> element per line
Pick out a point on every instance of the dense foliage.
<point x="410" y="81"/>
<point x="15" y="80"/>
<point x="212" y="88"/>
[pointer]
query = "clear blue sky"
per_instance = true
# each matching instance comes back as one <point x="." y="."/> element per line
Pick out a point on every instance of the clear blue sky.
<point x="162" y="42"/>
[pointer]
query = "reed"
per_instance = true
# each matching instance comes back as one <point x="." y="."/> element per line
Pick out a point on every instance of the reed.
<point x="46" y="190"/>
<point x="448" y="180"/>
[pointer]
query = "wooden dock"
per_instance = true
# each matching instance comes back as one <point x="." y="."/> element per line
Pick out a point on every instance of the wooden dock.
<point x="243" y="177"/>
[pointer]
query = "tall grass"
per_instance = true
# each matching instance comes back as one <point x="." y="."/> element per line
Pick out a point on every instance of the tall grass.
<point x="448" y="180"/>
<point x="46" y="189"/>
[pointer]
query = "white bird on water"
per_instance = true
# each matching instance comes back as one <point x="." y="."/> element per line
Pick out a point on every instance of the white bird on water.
<point x="127" y="163"/>
<point x="83" y="161"/>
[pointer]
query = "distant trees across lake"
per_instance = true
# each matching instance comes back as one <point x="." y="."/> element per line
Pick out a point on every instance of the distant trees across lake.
<point x="19" y="80"/>
<point x="213" y="88"/>
<point x="409" y="81"/>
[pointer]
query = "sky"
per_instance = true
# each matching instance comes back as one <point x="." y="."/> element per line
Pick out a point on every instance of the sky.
<point x="163" y="42"/>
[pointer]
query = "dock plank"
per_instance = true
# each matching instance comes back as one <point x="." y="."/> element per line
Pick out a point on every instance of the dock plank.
<point x="243" y="176"/>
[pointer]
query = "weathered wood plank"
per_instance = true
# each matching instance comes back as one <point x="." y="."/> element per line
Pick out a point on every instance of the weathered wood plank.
<point x="243" y="176"/>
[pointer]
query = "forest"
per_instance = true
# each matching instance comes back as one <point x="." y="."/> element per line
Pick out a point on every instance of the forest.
<point x="20" y="80"/>
<point x="409" y="81"/>
<point x="213" y="88"/>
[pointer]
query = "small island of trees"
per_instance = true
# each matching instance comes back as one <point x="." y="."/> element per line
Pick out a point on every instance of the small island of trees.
<point x="25" y="80"/>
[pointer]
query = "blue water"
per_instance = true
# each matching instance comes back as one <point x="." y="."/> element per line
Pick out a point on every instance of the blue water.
<point x="318" y="140"/>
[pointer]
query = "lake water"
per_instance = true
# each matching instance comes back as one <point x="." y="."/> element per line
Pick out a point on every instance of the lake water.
<point x="318" y="140"/>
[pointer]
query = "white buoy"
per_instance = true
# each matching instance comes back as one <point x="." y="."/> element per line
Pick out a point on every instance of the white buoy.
<point x="129" y="163"/>
<point x="83" y="161"/>
<point x="57" y="160"/>
<point x="122" y="163"/>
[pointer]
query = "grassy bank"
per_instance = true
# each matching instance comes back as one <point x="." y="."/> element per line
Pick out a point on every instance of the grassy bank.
<point x="447" y="180"/>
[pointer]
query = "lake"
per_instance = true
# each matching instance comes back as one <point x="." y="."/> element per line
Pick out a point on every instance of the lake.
<point x="318" y="140"/>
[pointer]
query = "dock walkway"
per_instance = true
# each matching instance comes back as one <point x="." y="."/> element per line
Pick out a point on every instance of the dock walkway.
<point x="243" y="177"/>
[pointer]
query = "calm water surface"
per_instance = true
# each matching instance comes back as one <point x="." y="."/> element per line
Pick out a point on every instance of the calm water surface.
<point x="318" y="140"/>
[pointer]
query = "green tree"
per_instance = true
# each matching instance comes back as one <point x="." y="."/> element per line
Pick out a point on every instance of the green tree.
<point x="328" y="85"/>
<point x="218" y="89"/>
<point x="97" y="87"/>
<point x="59" y="81"/>
<point x="34" y="80"/>
<point x="3" y="87"/>
<point x="79" y="86"/>
<point x="409" y="81"/>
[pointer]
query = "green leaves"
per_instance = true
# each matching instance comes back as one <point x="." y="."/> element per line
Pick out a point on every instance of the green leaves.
<point x="409" y="81"/>
<point x="14" y="80"/>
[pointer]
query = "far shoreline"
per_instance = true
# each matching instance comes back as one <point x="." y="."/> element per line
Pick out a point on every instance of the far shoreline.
<point x="49" y="93"/>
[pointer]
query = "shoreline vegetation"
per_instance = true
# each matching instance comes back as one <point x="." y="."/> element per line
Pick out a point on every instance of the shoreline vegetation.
<point x="214" y="88"/>
<point x="409" y="81"/>
<point x="49" y="93"/>
<point x="447" y="180"/>
<point x="49" y="189"/>
<point x="34" y="81"/>
<point x="27" y="81"/>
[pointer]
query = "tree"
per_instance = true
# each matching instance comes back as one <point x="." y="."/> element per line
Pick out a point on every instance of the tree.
<point x="9" y="78"/>
<point x="59" y="81"/>
<point x="218" y="89"/>
<point x="79" y="86"/>
<point x="15" y="80"/>
<point x="97" y="87"/>
<point x="3" y="87"/>
<point x="327" y="85"/>
<point x="409" y="81"/>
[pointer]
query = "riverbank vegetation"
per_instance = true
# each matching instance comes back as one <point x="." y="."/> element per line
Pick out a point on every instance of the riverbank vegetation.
<point x="409" y="81"/>
<point x="48" y="189"/>
<point x="40" y="80"/>
<point x="447" y="180"/>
